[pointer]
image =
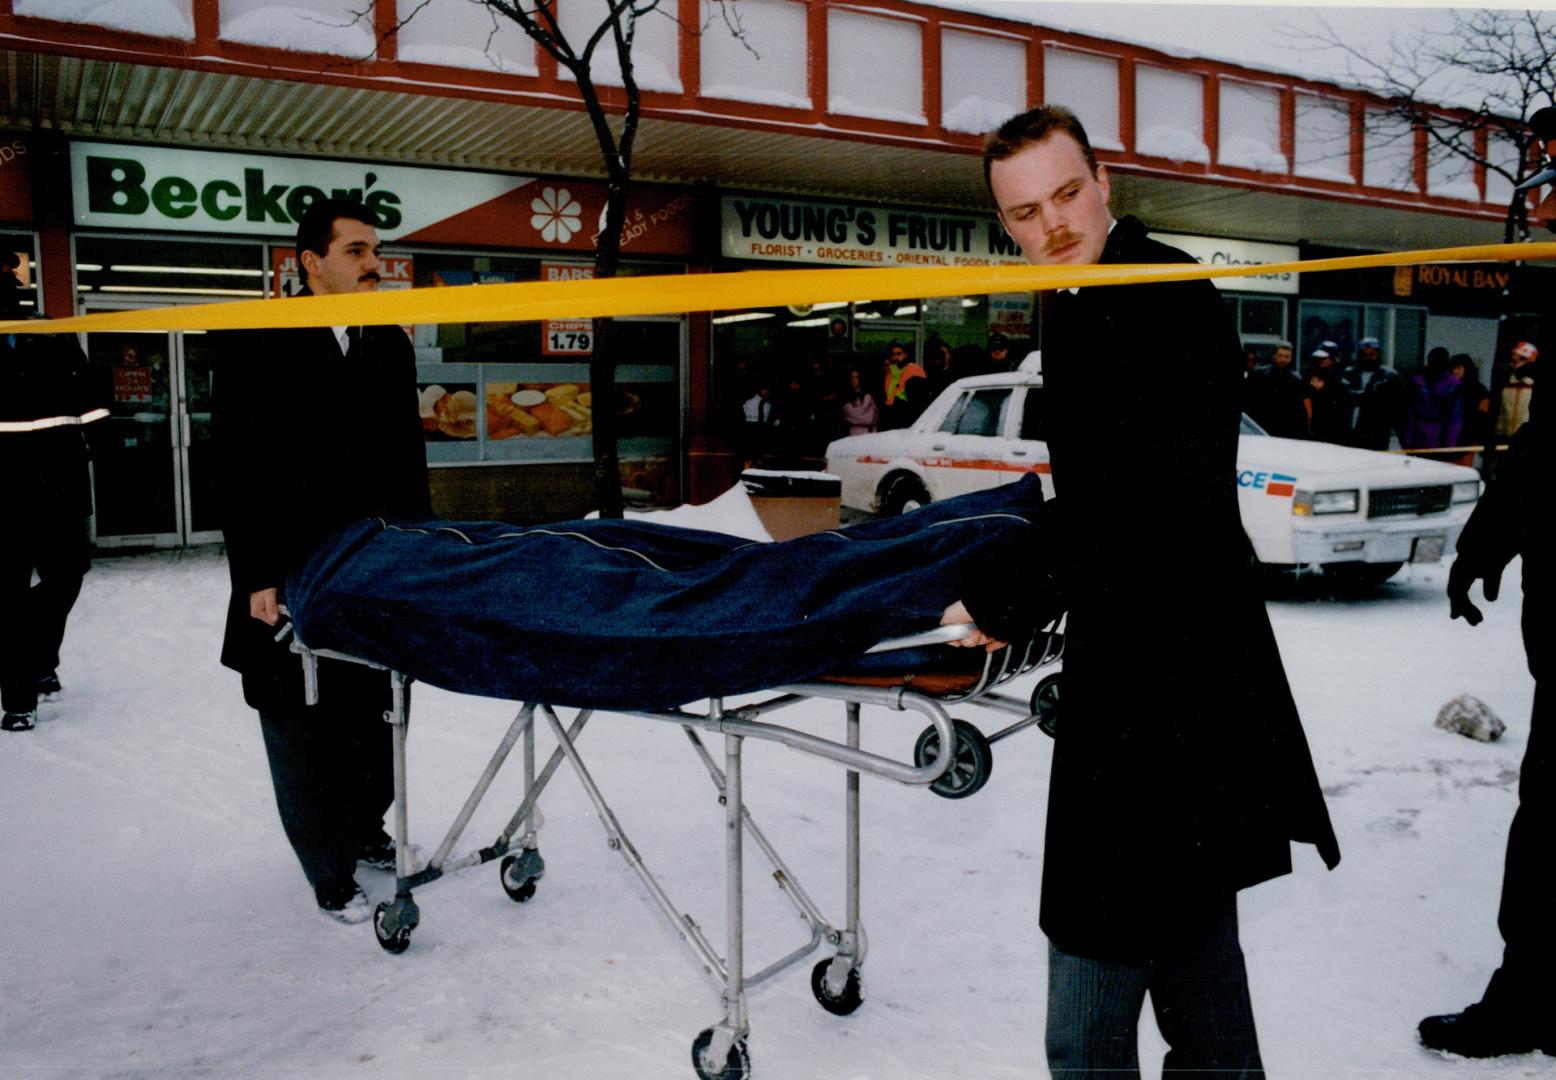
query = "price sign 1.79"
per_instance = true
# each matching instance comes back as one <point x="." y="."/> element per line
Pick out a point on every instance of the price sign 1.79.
<point x="568" y="337"/>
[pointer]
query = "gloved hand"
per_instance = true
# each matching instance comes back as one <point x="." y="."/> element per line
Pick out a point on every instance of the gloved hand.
<point x="1461" y="576"/>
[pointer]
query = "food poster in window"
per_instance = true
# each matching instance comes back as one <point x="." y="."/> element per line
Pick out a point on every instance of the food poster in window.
<point x="530" y="410"/>
<point x="449" y="411"/>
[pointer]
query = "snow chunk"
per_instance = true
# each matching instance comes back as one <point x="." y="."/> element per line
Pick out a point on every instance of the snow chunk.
<point x="848" y="107"/>
<point x="334" y="28"/>
<point x="731" y="514"/>
<point x="158" y="18"/>
<point x="1172" y="143"/>
<point x="1241" y="152"/>
<point x="1470" y="717"/>
<point x="975" y="116"/>
<point x="463" y="56"/>
<point x="756" y="96"/>
<point x="1463" y="189"/>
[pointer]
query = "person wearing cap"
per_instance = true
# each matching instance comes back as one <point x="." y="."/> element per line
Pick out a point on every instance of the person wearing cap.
<point x="1329" y="414"/>
<point x="1518" y="391"/>
<point x="1377" y="397"/>
<point x="1275" y="397"/>
<point x="999" y="353"/>
<point x="906" y="390"/>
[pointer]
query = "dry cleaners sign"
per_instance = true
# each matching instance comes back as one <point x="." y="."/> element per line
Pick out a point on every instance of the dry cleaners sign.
<point x="844" y="234"/>
<point x="1216" y="251"/>
<point x="120" y="186"/>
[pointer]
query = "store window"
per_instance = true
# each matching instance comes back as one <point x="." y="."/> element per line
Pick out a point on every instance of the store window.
<point x="1261" y="322"/>
<point x="805" y="354"/>
<point x="520" y="392"/>
<point x="21" y="247"/>
<point x="1400" y="329"/>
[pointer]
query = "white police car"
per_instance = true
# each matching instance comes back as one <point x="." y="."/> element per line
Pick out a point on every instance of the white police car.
<point x="1360" y="514"/>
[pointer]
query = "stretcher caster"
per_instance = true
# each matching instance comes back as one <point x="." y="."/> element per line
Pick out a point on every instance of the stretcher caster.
<point x="520" y="873"/>
<point x="393" y="922"/>
<point x="1045" y="704"/>
<point x="971" y="764"/>
<point x="737" y="1064"/>
<point x="841" y="1004"/>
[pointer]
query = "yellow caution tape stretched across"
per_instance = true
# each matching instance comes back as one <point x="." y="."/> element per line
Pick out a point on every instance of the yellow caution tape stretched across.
<point x="676" y="293"/>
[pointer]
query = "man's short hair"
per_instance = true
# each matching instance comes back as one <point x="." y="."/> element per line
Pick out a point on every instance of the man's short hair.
<point x="317" y="227"/>
<point x="1030" y="128"/>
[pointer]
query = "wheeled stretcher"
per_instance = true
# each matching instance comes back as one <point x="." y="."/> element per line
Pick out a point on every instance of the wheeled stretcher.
<point x="640" y="620"/>
<point x="928" y="679"/>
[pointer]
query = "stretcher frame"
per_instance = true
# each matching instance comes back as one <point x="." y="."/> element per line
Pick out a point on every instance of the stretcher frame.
<point x="719" y="1052"/>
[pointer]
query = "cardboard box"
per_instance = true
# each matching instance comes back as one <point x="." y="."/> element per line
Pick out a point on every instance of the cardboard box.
<point x="794" y="504"/>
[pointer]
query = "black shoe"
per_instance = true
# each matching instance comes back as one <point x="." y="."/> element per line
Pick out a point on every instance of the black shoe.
<point x="1481" y="1032"/>
<point x="377" y="852"/>
<point x="49" y="685"/>
<point x="18" y="721"/>
<point x="344" y="901"/>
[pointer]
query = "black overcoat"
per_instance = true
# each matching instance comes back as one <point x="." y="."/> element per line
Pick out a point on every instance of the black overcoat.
<point x="1180" y="771"/>
<point x="308" y="441"/>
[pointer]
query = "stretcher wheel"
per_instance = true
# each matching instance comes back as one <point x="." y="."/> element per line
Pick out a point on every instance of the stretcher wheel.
<point x="842" y="1004"/>
<point x="737" y="1065"/>
<point x="520" y="873"/>
<point x="1045" y="704"/>
<point x="970" y="767"/>
<point x="393" y="921"/>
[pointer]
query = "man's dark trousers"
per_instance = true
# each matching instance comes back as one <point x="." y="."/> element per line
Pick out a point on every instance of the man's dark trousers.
<point x="333" y="769"/>
<point x="1527" y="916"/>
<point x="32" y="617"/>
<point x="1200" y="999"/>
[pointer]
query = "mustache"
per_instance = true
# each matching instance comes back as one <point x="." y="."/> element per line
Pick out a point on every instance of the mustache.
<point x="1063" y="240"/>
<point x="370" y="276"/>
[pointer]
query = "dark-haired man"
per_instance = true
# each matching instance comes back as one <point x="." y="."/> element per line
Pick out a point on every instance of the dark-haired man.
<point x="317" y="428"/>
<point x="1173" y="785"/>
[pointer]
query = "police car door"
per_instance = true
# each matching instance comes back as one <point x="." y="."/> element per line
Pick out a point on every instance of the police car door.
<point x="966" y="453"/>
<point x="1027" y="451"/>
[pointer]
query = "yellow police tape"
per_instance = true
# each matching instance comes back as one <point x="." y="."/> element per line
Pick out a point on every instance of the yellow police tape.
<point x="676" y="293"/>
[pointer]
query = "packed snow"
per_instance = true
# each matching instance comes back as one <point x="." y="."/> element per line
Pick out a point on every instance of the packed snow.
<point x="157" y="922"/>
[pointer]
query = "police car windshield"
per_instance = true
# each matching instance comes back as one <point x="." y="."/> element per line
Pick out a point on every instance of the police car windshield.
<point x="1251" y="428"/>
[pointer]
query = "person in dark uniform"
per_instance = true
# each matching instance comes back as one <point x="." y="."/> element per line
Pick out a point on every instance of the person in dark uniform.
<point x="45" y="488"/>
<point x="316" y="429"/>
<point x="1173" y="786"/>
<point x="1516" y="1014"/>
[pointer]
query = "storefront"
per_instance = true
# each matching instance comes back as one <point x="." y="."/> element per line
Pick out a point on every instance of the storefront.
<point x="804" y="355"/>
<point x="506" y="407"/>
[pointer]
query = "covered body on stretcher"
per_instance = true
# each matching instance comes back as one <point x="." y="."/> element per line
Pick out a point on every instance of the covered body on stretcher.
<point x="640" y="619"/>
<point x="628" y="614"/>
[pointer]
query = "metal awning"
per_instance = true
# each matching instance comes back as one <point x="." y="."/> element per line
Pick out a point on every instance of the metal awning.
<point x="453" y="127"/>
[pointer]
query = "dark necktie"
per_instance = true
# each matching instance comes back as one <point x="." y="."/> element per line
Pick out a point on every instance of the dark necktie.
<point x="353" y="342"/>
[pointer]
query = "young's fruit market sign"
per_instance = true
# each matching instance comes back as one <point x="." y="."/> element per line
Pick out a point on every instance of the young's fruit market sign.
<point x="846" y="234"/>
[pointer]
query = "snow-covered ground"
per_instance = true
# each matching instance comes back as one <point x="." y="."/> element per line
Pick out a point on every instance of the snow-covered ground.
<point x="155" y="921"/>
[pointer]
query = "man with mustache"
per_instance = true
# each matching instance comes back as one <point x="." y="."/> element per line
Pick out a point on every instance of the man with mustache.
<point x="1180" y="773"/>
<point x="316" y="429"/>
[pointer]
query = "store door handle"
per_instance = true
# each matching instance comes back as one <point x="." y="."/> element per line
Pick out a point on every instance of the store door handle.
<point x="183" y="427"/>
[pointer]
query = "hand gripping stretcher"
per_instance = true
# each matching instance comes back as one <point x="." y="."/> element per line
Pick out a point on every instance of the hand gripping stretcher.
<point x="719" y="1052"/>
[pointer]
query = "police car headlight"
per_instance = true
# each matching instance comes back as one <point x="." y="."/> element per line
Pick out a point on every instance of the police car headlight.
<point x="1326" y="502"/>
<point x="1466" y="491"/>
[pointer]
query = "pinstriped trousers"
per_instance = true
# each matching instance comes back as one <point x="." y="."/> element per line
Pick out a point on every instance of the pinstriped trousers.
<point x="1200" y="999"/>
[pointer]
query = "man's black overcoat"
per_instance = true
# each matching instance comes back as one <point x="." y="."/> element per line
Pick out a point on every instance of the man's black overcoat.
<point x="1180" y="770"/>
<point x="308" y="442"/>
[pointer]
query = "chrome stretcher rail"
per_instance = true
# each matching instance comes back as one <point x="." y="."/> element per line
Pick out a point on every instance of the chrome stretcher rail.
<point x="719" y="1052"/>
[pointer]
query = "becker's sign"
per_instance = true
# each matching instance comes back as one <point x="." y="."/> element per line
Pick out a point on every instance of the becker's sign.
<point x="122" y="186"/>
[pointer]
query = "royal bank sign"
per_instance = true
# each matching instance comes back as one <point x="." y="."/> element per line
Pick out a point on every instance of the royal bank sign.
<point x="119" y="186"/>
<point x="848" y="234"/>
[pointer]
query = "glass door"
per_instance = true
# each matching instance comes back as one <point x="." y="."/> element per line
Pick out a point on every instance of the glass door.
<point x="135" y="451"/>
<point x="154" y="482"/>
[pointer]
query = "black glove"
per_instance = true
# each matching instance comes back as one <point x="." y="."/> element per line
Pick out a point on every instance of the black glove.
<point x="1461" y="576"/>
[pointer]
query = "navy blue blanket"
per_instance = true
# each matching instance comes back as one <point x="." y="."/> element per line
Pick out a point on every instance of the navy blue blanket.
<point x="628" y="614"/>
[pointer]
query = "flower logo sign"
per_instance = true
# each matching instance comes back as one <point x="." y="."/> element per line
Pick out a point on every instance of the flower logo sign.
<point x="556" y="215"/>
